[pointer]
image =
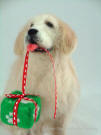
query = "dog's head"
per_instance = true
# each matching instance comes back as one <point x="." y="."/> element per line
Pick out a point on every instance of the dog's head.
<point x="48" y="32"/>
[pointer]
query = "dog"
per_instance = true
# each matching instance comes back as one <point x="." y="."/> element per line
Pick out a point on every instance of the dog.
<point x="59" y="39"/>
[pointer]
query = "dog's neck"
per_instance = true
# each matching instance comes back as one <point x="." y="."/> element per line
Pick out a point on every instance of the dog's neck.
<point x="40" y="62"/>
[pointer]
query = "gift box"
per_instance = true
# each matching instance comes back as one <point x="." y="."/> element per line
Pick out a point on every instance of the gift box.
<point x="25" y="113"/>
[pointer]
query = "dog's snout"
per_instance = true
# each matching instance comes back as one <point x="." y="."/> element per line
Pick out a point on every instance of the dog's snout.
<point x="32" y="32"/>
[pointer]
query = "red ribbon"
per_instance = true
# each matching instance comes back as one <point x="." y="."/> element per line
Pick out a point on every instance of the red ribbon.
<point x="23" y="95"/>
<point x="53" y="64"/>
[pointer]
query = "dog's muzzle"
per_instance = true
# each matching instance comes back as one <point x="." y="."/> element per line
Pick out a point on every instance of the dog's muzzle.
<point x="32" y="39"/>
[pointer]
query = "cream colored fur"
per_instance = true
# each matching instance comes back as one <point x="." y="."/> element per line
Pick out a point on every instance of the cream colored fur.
<point x="40" y="80"/>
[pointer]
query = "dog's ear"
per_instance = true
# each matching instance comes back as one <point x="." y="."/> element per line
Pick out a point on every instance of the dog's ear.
<point x="19" y="42"/>
<point x="69" y="39"/>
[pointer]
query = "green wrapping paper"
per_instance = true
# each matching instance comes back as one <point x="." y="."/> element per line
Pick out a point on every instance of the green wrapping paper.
<point x="26" y="111"/>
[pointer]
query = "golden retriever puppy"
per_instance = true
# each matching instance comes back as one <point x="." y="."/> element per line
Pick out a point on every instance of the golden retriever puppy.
<point x="48" y="32"/>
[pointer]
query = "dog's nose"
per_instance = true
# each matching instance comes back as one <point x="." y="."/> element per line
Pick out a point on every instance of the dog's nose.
<point x="32" y="32"/>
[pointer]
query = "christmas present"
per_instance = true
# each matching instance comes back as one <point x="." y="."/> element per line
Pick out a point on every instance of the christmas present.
<point x="26" y="113"/>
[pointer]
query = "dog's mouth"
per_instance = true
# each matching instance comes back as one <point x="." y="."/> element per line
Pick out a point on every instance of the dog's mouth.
<point x="34" y="47"/>
<point x="39" y="50"/>
<point x="42" y="50"/>
<point x="33" y="43"/>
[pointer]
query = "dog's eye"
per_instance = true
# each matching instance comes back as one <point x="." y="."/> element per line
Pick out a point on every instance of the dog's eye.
<point x="31" y="24"/>
<point x="49" y="24"/>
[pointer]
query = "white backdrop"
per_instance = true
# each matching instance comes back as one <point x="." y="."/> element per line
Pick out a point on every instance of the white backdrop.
<point x="85" y="18"/>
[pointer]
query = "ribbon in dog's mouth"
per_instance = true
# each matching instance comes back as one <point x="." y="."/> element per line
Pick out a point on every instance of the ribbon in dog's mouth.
<point x="36" y="48"/>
